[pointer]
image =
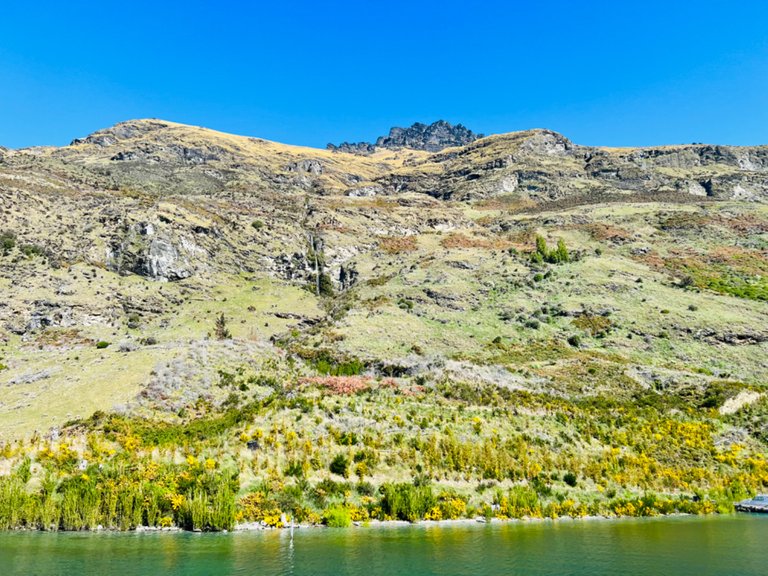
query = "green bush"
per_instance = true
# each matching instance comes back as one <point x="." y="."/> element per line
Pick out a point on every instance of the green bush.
<point x="31" y="250"/>
<point x="337" y="517"/>
<point x="405" y="304"/>
<point x="325" y="285"/>
<point x="328" y="366"/>
<point x="406" y="501"/>
<point x="340" y="465"/>
<point x="7" y="242"/>
<point x="101" y="344"/>
<point x="559" y="255"/>
<point x="523" y="501"/>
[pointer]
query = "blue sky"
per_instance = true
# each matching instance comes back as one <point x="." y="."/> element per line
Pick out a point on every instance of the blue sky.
<point x="610" y="73"/>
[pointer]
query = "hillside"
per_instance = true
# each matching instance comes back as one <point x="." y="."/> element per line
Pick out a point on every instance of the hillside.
<point x="404" y="312"/>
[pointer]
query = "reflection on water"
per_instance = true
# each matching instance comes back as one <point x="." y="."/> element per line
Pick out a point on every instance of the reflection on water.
<point x="675" y="546"/>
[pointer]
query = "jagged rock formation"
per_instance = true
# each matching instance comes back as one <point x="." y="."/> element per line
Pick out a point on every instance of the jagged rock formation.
<point x="432" y="138"/>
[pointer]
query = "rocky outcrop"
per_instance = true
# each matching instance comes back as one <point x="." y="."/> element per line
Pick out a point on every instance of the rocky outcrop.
<point x="122" y="131"/>
<point x="146" y="252"/>
<point x="359" y="148"/>
<point x="306" y="166"/>
<point x="431" y="137"/>
<point x="162" y="261"/>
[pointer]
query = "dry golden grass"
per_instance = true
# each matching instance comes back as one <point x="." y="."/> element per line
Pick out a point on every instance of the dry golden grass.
<point x="61" y="337"/>
<point x="601" y="232"/>
<point x="458" y="240"/>
<point x="505" y="204"/>
<point x="398" y="244"/>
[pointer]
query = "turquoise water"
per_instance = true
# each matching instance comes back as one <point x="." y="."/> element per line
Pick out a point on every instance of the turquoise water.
<point x="734" y="545"/>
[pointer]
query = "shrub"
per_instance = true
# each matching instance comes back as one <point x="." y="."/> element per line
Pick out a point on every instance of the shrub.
<point x="337" y="517"/>
<point x="574" y="340"/>
<point x="405" y="304"/>
<point x="523" y="501"/>
<point x="101" y="344"/>
<point x="324" y="285"/>
<point x="31" y="250"/>
<point x="543" y="254"/>
<point x="541" y="246"/>
<point x="570" y="479"/>
<point x="257" y="224"/>
<point x="560" y="254"/>
<point x="7" y="242"/>
<point x="365" y="488"/>
<point x="714" y="396"/>
<point x="329" y="366"/>
<point x="340" y="465"/>
<point x="220" y="329"/>
<point x="406" y="501"/>
<point x="597" y="326"/>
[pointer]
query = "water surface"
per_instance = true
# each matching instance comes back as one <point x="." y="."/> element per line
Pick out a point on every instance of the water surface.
<point x="675" y="546"/>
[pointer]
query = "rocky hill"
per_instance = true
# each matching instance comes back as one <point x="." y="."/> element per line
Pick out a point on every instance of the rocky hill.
<point x="442" y="291"/>
<point x="432" y="138"/>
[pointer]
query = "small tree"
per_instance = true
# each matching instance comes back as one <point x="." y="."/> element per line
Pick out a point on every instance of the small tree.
<point x="544" y="254"/>
<point x="324" y="285"/>
<point x="220" y="329"/>
<point x="561" y="252"/>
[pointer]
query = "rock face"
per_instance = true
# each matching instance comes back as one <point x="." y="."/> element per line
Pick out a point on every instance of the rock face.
<point x="149" y="253"/>
<point x="162" y="262"/>
<point x="432" y="138"/>
<point x="360" y="148"/>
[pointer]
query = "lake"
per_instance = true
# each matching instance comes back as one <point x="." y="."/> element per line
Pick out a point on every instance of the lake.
<point x="697" y="546"/>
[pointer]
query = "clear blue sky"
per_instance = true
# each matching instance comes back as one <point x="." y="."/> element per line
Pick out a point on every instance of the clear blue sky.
<point x="601" y="72"/>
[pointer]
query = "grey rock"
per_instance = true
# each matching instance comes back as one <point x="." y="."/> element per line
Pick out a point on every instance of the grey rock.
<point x="306" y="166"/>
<point x="365" y="191"/>
<point x="163" y="261"/>
<point x="30" y="377"/>
<point x="431" y="137"/>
